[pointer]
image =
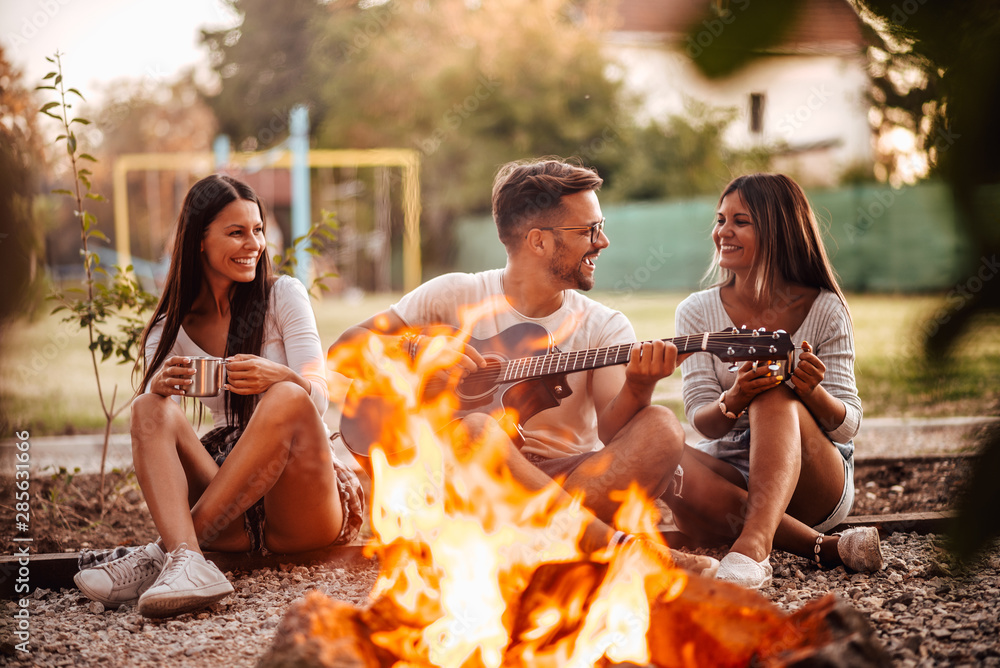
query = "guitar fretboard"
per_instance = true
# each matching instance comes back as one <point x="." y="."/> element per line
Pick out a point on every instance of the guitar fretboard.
<point x="722" y="344"/>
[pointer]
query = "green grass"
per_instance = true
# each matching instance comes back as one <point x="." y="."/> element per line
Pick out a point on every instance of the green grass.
<point x="47" y="383"/>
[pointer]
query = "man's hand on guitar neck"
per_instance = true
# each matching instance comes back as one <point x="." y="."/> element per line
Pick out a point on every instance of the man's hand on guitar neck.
<point x="648" y="362"/>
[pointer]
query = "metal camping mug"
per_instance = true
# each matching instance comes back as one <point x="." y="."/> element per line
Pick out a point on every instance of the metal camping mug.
<point x="209" y="376"/>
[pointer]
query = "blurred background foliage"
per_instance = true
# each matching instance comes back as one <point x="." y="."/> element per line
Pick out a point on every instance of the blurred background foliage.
<point x="469" y="88"/>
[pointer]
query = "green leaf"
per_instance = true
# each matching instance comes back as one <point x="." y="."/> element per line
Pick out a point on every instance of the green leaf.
<point x="99" y="197"/>
<point x="82" y="121"/>
<point x="50" y="114"/>
<point x="58" y="79"/>
<point x="78" y="93"/>
<point x="49" y="59"/>
<point x="71" y="144"/>
<point x="45" y="87"/>
<point x="87" y="156"/>
<point x="49" y="75"/>
<point x="62" y="191"/>
<point x="49" y="105"/>
<point x="99" y="235"/>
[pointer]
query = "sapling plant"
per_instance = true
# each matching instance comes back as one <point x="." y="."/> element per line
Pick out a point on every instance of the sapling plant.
<point x="110" y="307"/>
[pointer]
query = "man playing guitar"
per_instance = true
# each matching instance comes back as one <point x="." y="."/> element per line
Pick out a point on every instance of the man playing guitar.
<point x="601" y="433"/>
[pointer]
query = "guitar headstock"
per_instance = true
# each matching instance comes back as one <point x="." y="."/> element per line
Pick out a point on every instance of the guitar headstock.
<point x="742" y="344"/>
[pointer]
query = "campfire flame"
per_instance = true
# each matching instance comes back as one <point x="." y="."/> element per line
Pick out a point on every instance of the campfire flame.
<point x="476" y="571"/>
<point x="458" y="539"/>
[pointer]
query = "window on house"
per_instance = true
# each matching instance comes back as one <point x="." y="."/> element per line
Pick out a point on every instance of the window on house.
<point x="756" y="113"/>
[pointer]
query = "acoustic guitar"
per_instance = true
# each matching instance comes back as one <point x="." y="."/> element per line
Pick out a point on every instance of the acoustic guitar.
<point x="526" y="374"/>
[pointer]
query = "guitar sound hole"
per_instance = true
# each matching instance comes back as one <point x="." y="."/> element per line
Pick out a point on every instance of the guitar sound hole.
<point x="481" y="382"/>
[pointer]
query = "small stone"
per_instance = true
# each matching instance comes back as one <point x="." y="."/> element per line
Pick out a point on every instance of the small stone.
<point x="898" y="489"/>
<point x="96" y="607"/>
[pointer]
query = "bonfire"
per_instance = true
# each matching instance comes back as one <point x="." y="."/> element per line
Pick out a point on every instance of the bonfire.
<point x="478" y="572"/>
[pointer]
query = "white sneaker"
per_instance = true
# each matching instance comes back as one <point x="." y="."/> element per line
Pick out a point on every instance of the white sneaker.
<point x="188" y="582"/>
<point x="744" y="571"/>
<point x="124" y="579"/>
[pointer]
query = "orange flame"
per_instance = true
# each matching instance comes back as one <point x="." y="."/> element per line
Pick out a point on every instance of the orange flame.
<point x="459" y="539"/>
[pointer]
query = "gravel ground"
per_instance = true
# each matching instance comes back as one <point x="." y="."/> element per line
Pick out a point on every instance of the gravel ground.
<point x="923" y="613"/>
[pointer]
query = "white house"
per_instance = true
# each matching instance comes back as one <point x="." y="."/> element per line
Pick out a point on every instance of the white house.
<point x="806" y="98"/>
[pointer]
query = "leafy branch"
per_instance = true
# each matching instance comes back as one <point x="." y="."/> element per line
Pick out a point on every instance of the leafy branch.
<point x="321" y="233"/>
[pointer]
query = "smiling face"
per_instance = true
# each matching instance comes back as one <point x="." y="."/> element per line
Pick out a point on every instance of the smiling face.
<point x="233" y="243"/>
<point x="735" y="235"/>
<point x="573" y="258"/>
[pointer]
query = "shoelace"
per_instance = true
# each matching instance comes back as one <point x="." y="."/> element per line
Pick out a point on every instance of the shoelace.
<point x="175" y="566"/>
<point x="126" y="572"/>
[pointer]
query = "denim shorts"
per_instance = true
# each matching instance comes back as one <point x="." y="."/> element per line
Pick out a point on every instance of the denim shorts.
<point x="734" y="449"/>
<point x="219" y="442"/>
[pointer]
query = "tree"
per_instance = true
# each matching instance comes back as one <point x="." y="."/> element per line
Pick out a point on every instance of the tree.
<point x="264" y="69"/>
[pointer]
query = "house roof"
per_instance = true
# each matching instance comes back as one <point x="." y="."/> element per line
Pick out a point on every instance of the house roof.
<point x="822" y="23"/>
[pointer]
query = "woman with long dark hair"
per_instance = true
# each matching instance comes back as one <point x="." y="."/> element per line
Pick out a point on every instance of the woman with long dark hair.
<point x="776" y="468"/>
<point x="265" y="477"/>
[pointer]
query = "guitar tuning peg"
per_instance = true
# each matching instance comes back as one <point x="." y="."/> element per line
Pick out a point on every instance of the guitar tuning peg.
<point x="730" y="351"/>
<point x="735" y="331"/>
<point x="733" y="368"/>
<point x="763" y="329"/>
<point x="755" y="333"/>
<point x="772" y="349"/>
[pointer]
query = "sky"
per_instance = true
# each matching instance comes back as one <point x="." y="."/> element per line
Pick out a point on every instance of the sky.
<point x="107" y="40"/>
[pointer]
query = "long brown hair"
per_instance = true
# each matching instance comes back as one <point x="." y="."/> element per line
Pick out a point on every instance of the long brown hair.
<point x="248" y="302"/>
<point x="789" y="243"/>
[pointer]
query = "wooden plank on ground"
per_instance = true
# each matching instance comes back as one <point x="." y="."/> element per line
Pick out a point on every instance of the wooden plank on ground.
<point x="56" y="571"/>
<point x="920" y="523"/>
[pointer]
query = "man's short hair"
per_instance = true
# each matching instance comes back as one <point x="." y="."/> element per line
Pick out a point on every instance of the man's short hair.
<point x="525" y="190"/>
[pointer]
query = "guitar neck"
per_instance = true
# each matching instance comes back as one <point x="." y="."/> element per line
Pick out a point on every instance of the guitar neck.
<point x="581" y="360"/>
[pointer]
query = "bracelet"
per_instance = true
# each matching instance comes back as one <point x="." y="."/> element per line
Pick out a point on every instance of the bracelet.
<point x="725" y="411"/>
<point x="409" y="343"/>
<point x="620" y="539"/>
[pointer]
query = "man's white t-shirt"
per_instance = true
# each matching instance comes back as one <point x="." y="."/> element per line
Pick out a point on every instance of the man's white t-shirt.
<point x="475" y="303"/>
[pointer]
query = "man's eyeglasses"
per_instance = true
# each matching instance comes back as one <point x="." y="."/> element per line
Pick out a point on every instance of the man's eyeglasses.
<point x="595" y="229"/>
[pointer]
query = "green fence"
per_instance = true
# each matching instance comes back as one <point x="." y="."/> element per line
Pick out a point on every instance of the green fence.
<point x="879" y="239"/>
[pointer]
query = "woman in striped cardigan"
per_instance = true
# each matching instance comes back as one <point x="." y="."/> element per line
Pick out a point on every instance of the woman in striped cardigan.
<point x="775" y="468"/>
